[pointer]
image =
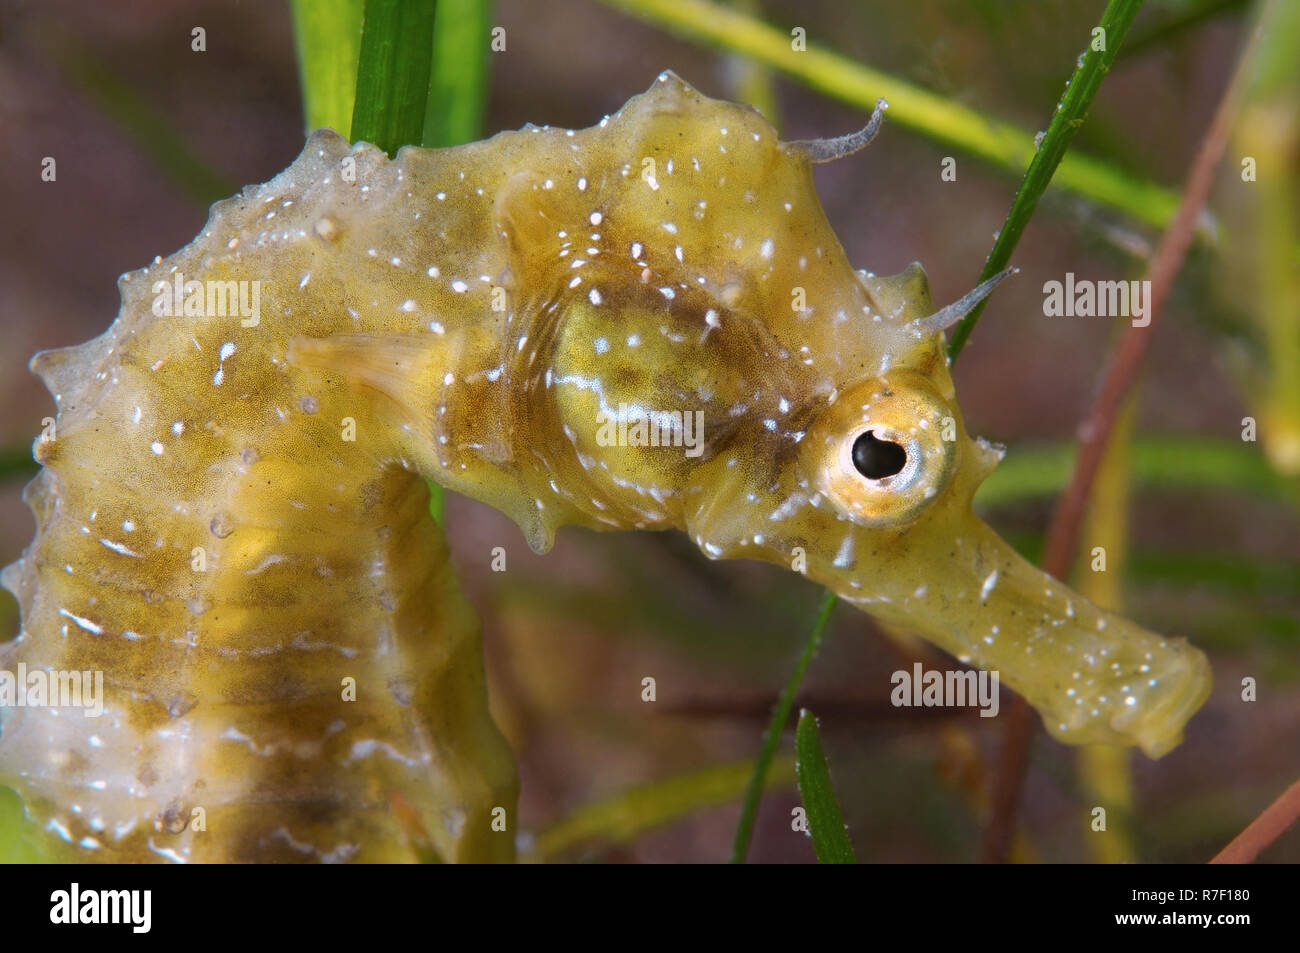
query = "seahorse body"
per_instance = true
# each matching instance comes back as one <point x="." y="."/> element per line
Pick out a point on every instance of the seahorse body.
<point x="648" y="324"/>
<point x="184" y="438"/>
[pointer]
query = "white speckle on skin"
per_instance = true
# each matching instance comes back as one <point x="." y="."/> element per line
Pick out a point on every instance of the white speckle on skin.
<point x="602" y="345"/>
<point x="594" y="296"/>
<point x="156" y="447"/>
<point x="86" y="624"/>
<point x="266" y="562"/>
<point x="989" y="583"/>
<point x="119" y="548"/>
<point x="459" y="286"/>
<point x="767" y="248"/>
<point x="227" y="350"/>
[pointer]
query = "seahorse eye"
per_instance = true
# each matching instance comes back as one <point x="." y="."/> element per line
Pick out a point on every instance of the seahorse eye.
<point x="882" y="451"/>
<point x="876" y="458"/>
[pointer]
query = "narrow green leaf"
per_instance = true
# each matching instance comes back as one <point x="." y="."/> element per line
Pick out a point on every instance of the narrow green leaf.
<point x="19" y="837"/>
<point x="16" y="462"/>
<point x="393" y="73"/>
<point x="1243" y="574"/>
<point x="1179" y="20"/>
<point x="754" y="83"/>
<point x="1159" y="462"/>
<point x="625" y="816"/>
<point x="781" y="715"/>
<point x="825" y="822"/>
<point x="1070" y="113"/>
<point x="460" y="77"/>
<point x="327" y="38"/>
<point x="437" y="502"/>
<point x="397" y="78"/>
<point x="153" y="133"/>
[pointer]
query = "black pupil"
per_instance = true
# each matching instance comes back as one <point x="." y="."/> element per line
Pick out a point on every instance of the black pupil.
<point x="876" y="459"/>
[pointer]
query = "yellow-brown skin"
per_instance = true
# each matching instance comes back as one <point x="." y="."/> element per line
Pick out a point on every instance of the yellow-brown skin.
<point x="474" y="311"/>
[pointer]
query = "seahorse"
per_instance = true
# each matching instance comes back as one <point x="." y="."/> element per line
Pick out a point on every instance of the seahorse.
<point x="645" y="325"/>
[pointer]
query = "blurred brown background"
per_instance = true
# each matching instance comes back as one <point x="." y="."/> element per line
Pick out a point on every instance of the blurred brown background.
<point x="571" y="635"/>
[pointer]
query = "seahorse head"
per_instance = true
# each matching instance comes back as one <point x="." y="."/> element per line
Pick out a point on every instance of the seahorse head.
<point x="718" y="366"/>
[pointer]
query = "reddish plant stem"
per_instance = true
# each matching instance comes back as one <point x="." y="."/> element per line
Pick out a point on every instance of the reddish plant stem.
<point x="1095" y="431"/>
<point x="1008" y="782"/>
<point x="1263" y="830"/>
